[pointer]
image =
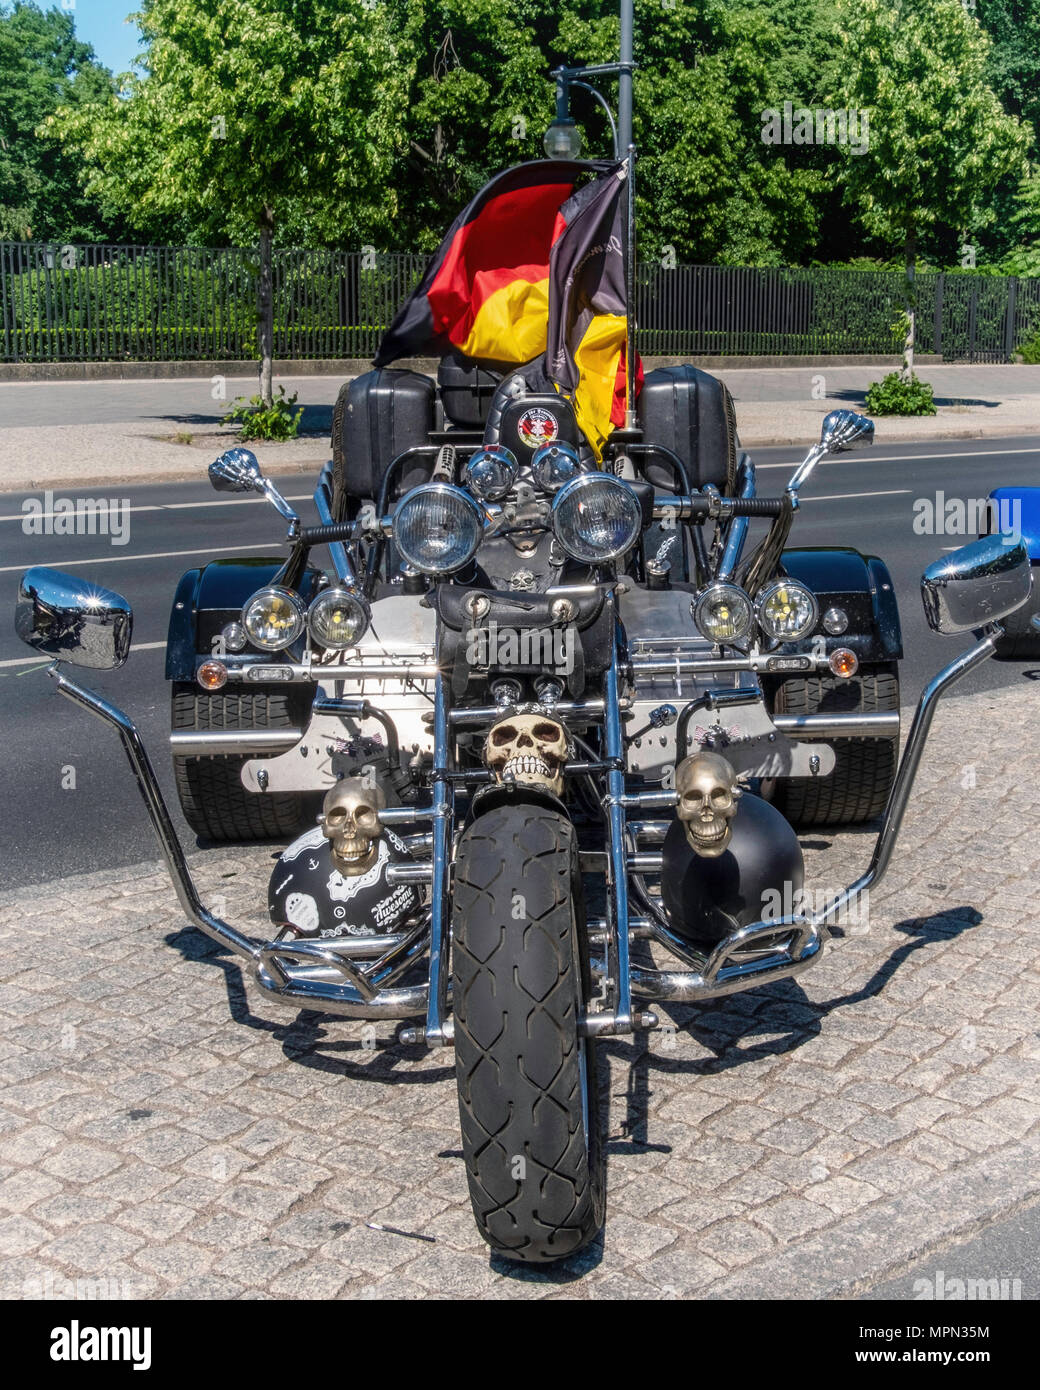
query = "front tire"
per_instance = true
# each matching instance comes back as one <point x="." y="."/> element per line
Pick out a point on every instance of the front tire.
<point x="215" y="803"/>
<point x="528" y="1086"/>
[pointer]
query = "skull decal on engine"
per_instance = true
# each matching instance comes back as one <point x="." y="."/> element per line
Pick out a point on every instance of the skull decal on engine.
<point x="528" y="748"/>
<point x="708" y="795"/>
<point x="350" y="821"/>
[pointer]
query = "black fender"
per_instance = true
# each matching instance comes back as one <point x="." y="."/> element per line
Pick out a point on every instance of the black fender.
<point x="861" y="585"/>
<point x="209" y="598"/>
<point x="514" y="794"/>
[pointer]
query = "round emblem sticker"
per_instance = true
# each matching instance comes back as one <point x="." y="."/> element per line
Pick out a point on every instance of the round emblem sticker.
<point x="537" y="427"/>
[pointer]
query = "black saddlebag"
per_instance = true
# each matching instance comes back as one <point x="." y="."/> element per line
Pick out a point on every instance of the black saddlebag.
<point x="691" y="413"/>
<point x="388" y="411"/>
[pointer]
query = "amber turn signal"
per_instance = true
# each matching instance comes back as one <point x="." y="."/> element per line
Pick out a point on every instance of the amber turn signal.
<point x="843" y="662"/>
<point x="211" y="675"/>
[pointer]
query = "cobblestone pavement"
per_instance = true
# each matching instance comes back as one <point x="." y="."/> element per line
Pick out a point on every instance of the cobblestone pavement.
<point x="165" y="1133"/>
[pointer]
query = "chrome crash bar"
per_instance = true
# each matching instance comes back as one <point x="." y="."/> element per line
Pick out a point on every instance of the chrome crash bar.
<point x="327" y="975"/>
<point x="306" y="974"/>
<point x="777" y="949"/>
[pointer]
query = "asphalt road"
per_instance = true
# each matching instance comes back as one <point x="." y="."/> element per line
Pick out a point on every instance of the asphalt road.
<point x="50" y="830"/>
<point x="1007" y="1251"/>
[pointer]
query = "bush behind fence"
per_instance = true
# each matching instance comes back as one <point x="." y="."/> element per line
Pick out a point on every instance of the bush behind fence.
<point x="158" y="303"/>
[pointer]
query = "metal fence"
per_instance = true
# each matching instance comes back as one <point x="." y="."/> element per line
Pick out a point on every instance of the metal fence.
<point x="160" y="303"/>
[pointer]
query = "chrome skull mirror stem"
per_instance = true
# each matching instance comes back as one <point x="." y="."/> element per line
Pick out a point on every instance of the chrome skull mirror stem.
<point x="238" y="470"/>
<point x="842" y="431"/>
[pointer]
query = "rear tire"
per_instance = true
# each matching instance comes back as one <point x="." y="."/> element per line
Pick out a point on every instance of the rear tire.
<point x="865" y="768"/>
<point x="215" y="803"/>
<point x="340" y="495"/>
<point x="528" y="1086"/>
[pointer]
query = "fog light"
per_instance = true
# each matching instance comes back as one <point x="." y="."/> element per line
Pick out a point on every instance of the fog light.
<point x="235" y="637"/>
<point x="843" y="662"/>
<point x="211" y="675"/>
<point x="835" y="621"/>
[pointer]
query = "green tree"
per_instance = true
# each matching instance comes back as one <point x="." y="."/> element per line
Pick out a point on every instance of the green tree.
<point x="252" y="117"/>
<point x="42" y="67"/>
<point x="939" y="140"/>
<point x="480" y="99"/>
<point x="1014" y="58"/>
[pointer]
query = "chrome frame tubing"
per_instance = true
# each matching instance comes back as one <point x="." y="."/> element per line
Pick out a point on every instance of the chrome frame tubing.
<point x="332" y="982"/>
<point x="439" y="1031"/>
<point x="618" y="951"/>
<point x="738" y="525"/>
<point x="337" y="550"/>
<point x="723" y="972"/>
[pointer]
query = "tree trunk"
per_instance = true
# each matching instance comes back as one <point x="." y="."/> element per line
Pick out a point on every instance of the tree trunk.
<point x="266" y="308"/>
<point x="911" y="305"/>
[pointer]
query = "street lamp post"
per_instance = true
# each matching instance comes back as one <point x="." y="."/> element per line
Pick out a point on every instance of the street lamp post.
<point x="563" y="141"/>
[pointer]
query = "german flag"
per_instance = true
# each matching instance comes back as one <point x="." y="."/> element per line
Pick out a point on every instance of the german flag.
<point x="486" y="291"/>
<point x="585" y="352"/>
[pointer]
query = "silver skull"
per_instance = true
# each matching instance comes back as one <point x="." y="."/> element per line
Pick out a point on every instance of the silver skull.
<point x="528" y="748"/>
<point x="350" y="821"/>
<point x="708" y="795"/>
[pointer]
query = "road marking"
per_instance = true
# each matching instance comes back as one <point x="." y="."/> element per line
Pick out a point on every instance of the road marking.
<point x="46" y="660"/>
<point x="840" y="496"/>
<point x="162" y="506"/>
<point x="155" y="555"/>
<point x="912" y="458"/>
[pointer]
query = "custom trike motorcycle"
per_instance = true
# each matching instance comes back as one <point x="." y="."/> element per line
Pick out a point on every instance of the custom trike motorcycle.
<point x="564" y="719"/>
<point x="563" y="709"/>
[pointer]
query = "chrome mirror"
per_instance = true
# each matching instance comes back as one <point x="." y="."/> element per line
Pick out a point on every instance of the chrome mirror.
<point x="70" y="620"/>
<point x="980" y="583"/>
<point x="236" y="471"/>
<point x="845" y="430"/>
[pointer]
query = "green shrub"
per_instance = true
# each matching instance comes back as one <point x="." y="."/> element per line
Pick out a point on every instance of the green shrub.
<point x="898" y="395"/>
<point x="1030" y="351"/>
<point x="259" y="421"/>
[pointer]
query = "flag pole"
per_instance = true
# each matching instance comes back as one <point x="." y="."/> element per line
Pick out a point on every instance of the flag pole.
<point x="626" y="144"/>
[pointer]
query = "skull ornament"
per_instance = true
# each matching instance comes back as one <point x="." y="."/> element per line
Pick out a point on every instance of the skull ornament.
<point x="528" y="748"/>
<point x="708" y="795"/>
<point x="350" y="821"/>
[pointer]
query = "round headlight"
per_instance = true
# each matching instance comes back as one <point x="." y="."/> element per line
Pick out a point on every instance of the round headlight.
<point x="723" y="613"/>
<point x="274" y="618"/>
<point x="337" y="619"/>
<point x="553" y="465"/>
<point x="489" y="473"/>
<point x="596" y="517"/>
<point x="786" y="610"/>
<point x="437" y="528"/>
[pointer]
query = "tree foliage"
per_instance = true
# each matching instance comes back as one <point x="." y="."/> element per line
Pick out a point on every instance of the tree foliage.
<point x="43" y="66"/>
<point x="346" y="122"/>
<point x="939" y="139"/>
<point x="251" y="113"/>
